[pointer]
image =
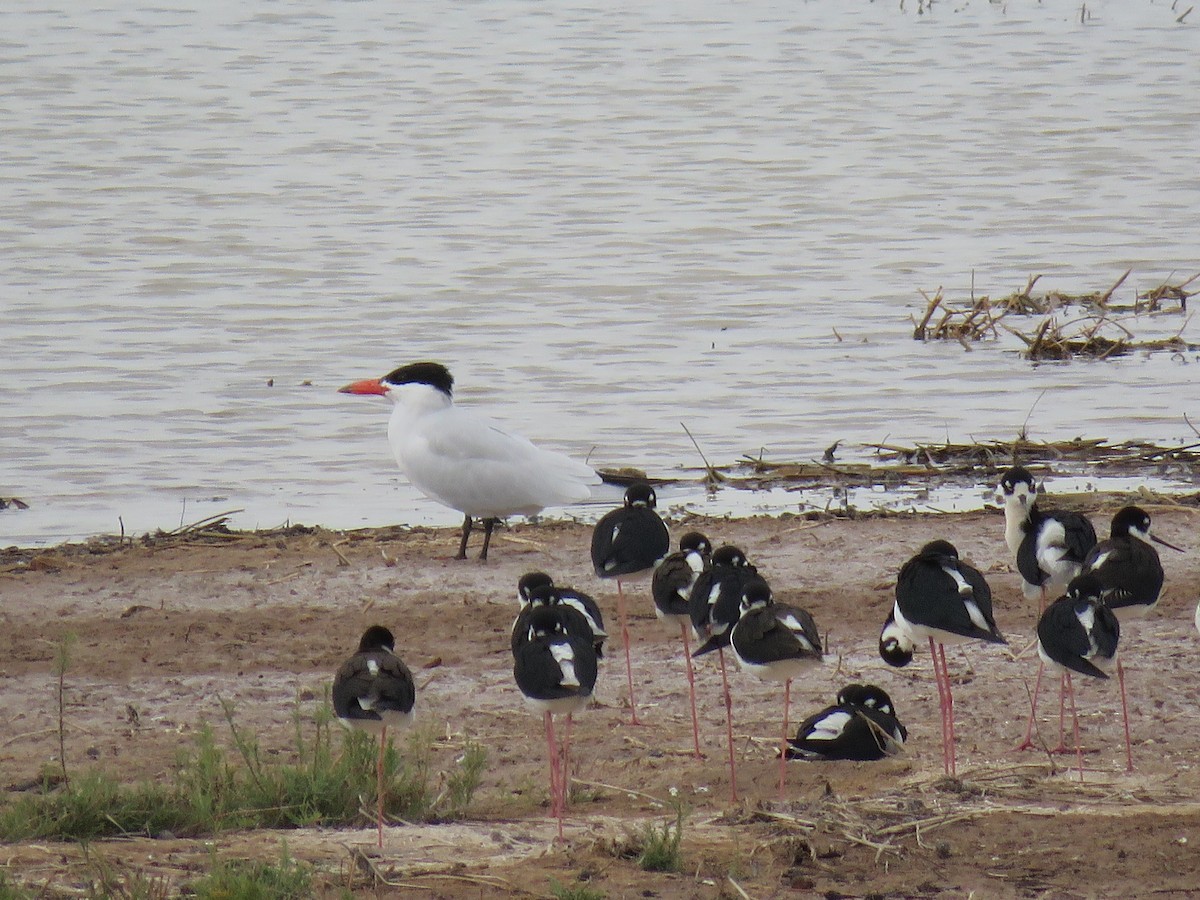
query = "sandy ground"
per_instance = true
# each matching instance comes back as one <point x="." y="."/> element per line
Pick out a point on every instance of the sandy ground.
<point x="166" y="628"/>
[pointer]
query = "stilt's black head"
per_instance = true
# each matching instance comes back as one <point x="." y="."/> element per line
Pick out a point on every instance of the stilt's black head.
<point x="1015" y="476"/>
<point x="377" y="638"/>
<point x="695" y="541"/>
<point x="895" y="645"/>
<point x="1128" y="520"/>
<point x="939" y="549"/>
<point x="729" y="555"/>
<point x="867" y="695"/>
<point x="531" y="581"/>
<point x="756" y="592"/>
<point x="640" y="494"/>
<point x="1085" y="587"/>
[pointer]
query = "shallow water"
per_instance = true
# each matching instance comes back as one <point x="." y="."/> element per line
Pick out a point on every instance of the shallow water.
<point x="607" y="220"/>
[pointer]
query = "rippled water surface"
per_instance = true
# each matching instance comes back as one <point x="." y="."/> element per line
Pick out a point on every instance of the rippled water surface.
<point x="607" y="219"/>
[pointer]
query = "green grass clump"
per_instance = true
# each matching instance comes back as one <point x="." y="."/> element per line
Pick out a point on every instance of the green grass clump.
<point x="94" y="805"/>
<point x="11" y="891"/>
<point x="243" y="879"/>
<point x="579" y="892"/>
<point x="216" y="790"/>
<point x="463" y="782"/>
<point x="661" y="846"/>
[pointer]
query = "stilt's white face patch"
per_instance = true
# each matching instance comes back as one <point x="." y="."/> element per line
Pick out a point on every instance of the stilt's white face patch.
<point x="1016" y="512"/>
<point x="1017" y="497"/>
<point x="565" y="657"/>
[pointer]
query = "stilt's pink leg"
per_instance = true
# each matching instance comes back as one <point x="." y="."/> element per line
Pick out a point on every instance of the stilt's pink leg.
<point x="1064" y="682"/>
<point x="1075" y="720"/>
<point x="1125" y="714"/>
<point x="633" y="716"/>
<point x="783" y="744"/>
<point x="1027" y="741"/>
<point x="379" y="786"/>
<point x="949" y="712"/>
<point x="555" y="774"/>
<point x="729" y="726"/>
<point x="691" y="677"/>
<point x="941" y="689"/>
<point x="565" y="774"/>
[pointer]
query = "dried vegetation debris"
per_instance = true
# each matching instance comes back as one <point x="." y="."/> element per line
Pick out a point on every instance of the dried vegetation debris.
<point x="978" y="462"/>
<point x="1095" y="333"/>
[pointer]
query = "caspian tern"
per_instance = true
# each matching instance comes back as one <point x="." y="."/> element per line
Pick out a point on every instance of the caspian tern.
<point x="466" y="461"/>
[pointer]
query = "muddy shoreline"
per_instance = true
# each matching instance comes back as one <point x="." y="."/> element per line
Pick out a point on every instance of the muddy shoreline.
<point x="165" y="626"/>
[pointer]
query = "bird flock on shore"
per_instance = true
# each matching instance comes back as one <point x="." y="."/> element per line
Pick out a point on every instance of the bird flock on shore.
<point x="719" y="601"/>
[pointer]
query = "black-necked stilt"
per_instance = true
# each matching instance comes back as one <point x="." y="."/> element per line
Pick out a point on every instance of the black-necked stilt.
<point x="1127" y="565"/>
<point x="528" y="586"/>
<point x="528" y="583"/>
<point x="1128" y="568"/>
<point x="775" y="641"/>
<point x="671" y="589"/>
<point x="1049" y="546"/>
<point x="715" y="606"/>
<point x="1078" y="633"/>
<point x="581" y="615"/>
<point x="943" y="599"/>
<point x="556" y="671"/>
<point x="627" y="543"/>
<point x="466" y="461"/>
<point x="372" y="690"/>
<point x="862" y="725"/>
<point x="716" y="601"/>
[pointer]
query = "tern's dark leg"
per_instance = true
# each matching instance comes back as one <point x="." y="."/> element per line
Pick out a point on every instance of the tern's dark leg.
<point x="488" y="526"/>
<point x="466" y="533"/>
